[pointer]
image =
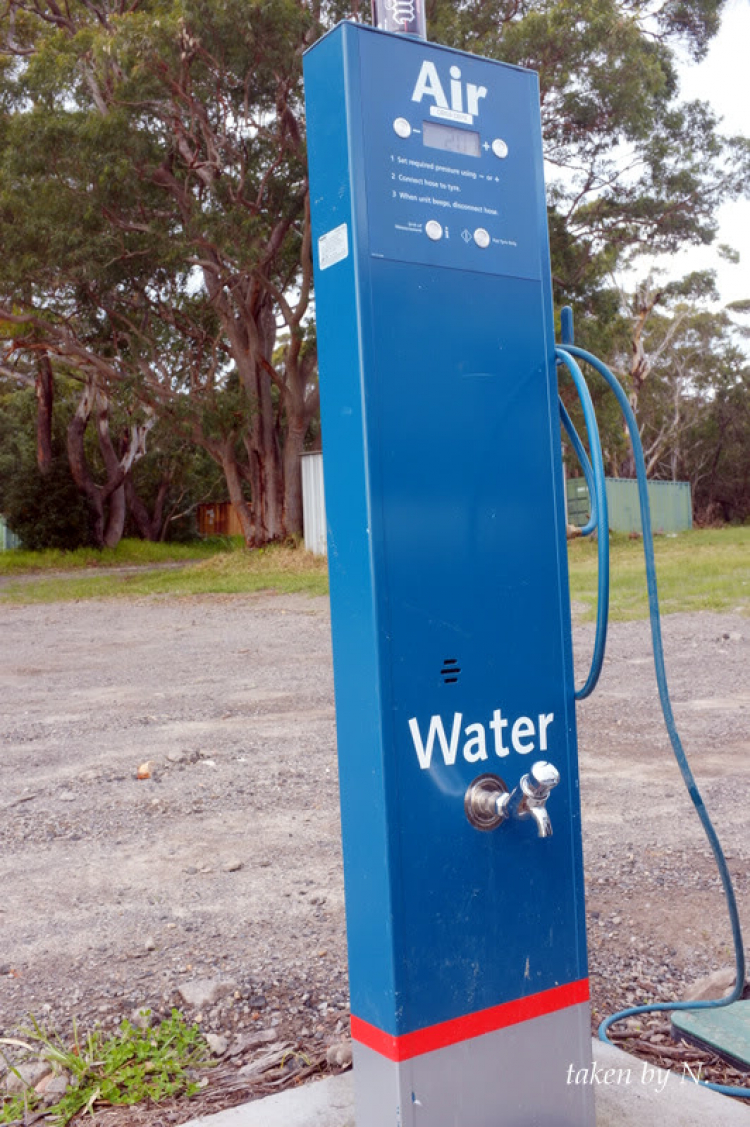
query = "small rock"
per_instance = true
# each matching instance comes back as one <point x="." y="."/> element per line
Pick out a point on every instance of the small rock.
<point x="150" y="944"/>
<point x="52" y="1088"/>
<point x="27" y="1075"/>
<point x="714" y="985"/>
<point x="176" y="757"/>
<point x="202" y="992"/>
<point x="339" y="1055"/>
<point x="141" y="1018"/>
<point x="247" y="1041"/>
<point x="217" y="1043"/>
<point x="233" y="866"/>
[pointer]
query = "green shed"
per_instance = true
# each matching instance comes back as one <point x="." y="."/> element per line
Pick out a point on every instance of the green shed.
<point x="670" y="501"/>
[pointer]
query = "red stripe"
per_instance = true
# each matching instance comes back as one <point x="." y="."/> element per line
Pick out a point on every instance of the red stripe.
<point x="471" y="1025"/>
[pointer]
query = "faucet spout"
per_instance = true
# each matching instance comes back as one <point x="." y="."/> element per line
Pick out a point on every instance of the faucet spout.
<point x="535" y="788"/>
<point x="542" y="819"/>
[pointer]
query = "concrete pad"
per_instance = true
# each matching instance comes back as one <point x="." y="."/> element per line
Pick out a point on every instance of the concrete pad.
<point x="320" y="1103"/>
<point x="632" y="1093"/>
<point x="629" y="1093"/>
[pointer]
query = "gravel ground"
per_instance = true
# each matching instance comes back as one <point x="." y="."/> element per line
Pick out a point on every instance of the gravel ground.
<point x="223" y="867"/>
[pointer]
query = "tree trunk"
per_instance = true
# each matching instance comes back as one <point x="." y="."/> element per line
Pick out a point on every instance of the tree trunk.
<point x="107" y="501"/>
<point x="45" y="394"/>
<point x="151" y="526"/>
<point x="295" y="438"/>
<point x="233" y="479"/>
<point x="116" y="512"/>
<point x="79" y="467"/>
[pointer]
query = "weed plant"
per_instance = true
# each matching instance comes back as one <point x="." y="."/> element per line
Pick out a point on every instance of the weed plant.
<point x="128" y="1067"/>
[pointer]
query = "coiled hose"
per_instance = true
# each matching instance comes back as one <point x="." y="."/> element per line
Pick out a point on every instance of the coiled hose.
<point x="567" y="353"/>
<point x="599" y="512"/>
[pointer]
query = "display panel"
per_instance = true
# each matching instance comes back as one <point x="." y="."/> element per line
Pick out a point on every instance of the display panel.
<point x="450" y="139"/>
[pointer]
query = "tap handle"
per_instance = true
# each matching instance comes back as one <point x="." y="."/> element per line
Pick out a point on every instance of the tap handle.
<point x="540" y="780"/>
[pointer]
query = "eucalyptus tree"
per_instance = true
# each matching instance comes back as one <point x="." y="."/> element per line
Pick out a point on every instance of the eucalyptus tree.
<point x="695" y="415"/>
<point x="630" y="167"/>
<point x="154" y="199"/>
<point x="154" y="195"/>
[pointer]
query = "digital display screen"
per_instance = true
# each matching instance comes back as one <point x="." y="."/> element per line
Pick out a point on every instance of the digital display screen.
<point x="450" y="139"/>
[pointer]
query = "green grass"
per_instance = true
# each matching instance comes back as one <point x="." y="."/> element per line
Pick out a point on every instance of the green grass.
<point x="233" y="571"/>
<point x="126" y="1068"/>
<point x="127" y="553"/>
<point x="699" y="570"/>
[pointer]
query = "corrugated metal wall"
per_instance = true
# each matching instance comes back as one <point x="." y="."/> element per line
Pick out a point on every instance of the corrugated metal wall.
<point x="313" y="504"/>
<point x="8" y="539"/>
<point x="670" y="502"/>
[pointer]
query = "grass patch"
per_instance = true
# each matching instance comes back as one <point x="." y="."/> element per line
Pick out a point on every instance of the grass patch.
<point x="18" y="561"/>
<point x="232" y="571"/>
<point x="699" y="570"/>
<point x="129" y="1067"/>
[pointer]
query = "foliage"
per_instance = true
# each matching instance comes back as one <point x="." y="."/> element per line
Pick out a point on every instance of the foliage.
<point x="46" y="510"/>
<point x="43" y="509"/>
<point x="632" y="168"/>
<point x="686" y="370"/>
<point x="127" y="1068"/>
<point x="154" y="169"/>
<point x="154" y="200"/>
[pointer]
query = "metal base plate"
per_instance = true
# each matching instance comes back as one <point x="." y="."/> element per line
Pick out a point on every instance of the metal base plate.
<point x="518" y="1076"/>
<point x="725" y="1031"/>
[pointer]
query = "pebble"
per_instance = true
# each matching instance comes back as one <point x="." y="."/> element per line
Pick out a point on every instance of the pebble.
<point x="200" y="992"/>
<point x="27" y="1075"/>
<point x="52" y="1088"/>
<point x="339" y="1055"/>
<point x="245" y="1042"/>
<point x="714" y="985"/>
<point x="217" y="1043"/>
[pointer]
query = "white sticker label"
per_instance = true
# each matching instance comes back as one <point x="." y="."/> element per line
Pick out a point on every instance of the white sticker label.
<point x="333" y="247"/>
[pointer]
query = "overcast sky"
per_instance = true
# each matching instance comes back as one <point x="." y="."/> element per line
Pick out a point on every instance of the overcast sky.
<point x="723" y="79"/>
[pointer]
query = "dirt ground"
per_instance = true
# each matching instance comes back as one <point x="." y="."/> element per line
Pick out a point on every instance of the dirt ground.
<point x="224" y="866"/>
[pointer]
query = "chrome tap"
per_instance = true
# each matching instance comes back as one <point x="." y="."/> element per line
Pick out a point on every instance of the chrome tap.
<point x="529" y="799"/>
<point x="488" y="803"/>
